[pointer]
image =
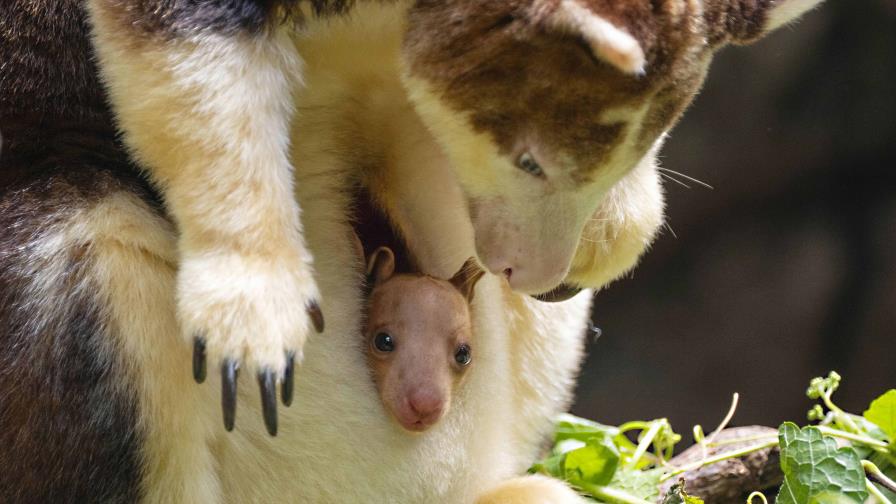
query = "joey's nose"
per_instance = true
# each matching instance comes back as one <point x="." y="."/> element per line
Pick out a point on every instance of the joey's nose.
<point x="424" y="408"/>
<point x="426" y="405"/>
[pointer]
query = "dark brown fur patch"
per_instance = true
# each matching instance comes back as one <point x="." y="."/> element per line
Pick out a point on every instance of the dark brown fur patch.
<point x="502" y="63"/>
<point x="737" y="21"/>
<point x="167" y="19"/>
<point x="52" y="106"/>
<point x="68" y="420"/>
<point x="375" y="229"/>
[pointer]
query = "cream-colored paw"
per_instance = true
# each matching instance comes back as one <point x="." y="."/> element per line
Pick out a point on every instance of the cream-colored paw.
<point x="248" y="316"/>
<point x="534" y="489"/>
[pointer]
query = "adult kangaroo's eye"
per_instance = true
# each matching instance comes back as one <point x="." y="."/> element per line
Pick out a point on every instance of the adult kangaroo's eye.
<point x="528" y="164"/>
<point x="383" y="342"/>
<point x="462" y="355"/>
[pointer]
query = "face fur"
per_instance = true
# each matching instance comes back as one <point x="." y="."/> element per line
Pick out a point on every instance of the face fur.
<point x="419" y="347"/>
<point x="418" y="338"/>
<point x="542" y="106"/>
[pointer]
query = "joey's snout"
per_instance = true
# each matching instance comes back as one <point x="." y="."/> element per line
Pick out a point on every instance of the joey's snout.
<point x="421" y="408"/>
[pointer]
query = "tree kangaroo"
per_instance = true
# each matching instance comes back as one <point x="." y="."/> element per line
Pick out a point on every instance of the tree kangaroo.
<point x="541" y="105"/>
<point x="519" y="132"/>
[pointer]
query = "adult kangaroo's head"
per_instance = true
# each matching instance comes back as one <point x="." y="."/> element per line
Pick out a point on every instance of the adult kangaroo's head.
<point x="544" y="105"/>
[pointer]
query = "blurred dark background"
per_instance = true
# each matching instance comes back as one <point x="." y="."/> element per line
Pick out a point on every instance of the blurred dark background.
<point x="787" y="268"/>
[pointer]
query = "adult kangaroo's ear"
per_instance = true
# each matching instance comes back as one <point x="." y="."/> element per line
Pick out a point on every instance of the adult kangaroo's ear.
<point x="609" y="43"/>
<point x="381" y="265"/>
<point x="465" y="279"/>
<point x="745" y="21"/>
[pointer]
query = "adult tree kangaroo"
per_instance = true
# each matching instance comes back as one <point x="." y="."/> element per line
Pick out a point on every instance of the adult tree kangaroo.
<point x="519" y="132"/>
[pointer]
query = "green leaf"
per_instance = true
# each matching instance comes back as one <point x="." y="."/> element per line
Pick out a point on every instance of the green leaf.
<point x="594" y="463"/>
<point x="551" y="466"/>
<point x="830" y="498"/>
<point x="581" y="429"/>
<point x="812" y="464"/>
<point x="882" y="413"/>
<point x="642" y="484"/>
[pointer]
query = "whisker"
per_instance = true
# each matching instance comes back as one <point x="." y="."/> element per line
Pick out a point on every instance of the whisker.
<point x="673" y="179"/>
<point x="669" y="227"/>
<point x="687" y="177"/>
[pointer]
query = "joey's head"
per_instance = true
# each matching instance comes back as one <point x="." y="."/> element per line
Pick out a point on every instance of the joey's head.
<point x="542" y="106"/>
<point x="418" y="339"/>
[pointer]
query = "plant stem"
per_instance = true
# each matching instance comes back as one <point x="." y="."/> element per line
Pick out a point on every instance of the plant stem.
<point x="728" y="417"/>
<point x="838" y="413"/>
<point x="876" y="493"/>
<point x="852" y="437"/>
<point x="877" y="475"/>
<point x="613" y="495"/>
<point x="720" y="457"/>
<point x="634" y="425"/>
<point x="645" y="443"/>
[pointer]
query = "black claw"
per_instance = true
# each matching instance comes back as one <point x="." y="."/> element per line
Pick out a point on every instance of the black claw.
<point x="317" y="317"/>
<point x="228" y="392"/>
<point x="289" y="378"/>
<point x="268" y="386"/>
<point x="199" y="359"/>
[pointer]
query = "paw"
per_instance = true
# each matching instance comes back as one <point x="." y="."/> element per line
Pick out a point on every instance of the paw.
<point x="534" y="489"/>
<point x="247" y="313"/>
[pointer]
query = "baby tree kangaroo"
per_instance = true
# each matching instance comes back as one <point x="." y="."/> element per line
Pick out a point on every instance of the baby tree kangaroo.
<point x="551" y="113"/>
<point x="419" y="339"/>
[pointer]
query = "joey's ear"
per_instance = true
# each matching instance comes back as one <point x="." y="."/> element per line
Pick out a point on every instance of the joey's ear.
<point x="465" y="279"/>
<point x="381" y="265"/>
<point x="745" y="21"/>
<point x="609" y="43"/>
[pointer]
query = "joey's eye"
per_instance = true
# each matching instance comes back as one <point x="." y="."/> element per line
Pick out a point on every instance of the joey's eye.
<point x="462" y="355"/>
<point x="528" y="164"/>
<point x="383" y="342"/>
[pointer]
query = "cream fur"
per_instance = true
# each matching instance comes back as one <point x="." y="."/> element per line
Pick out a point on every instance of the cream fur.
<point x="207" y="116"/>
<point x="624" y="225"/>
<point x="530" y="490"/>
<point x="787" y="11"/>
<point x="132" y="259"/>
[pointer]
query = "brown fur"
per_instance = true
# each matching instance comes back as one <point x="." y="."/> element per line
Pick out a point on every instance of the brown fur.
<point x="52" y="107"/>
<point x="737" y="21"/>
<point x="69" y="430"/>
<point x="166" y="20"/>
<point x="517" y="76"/>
